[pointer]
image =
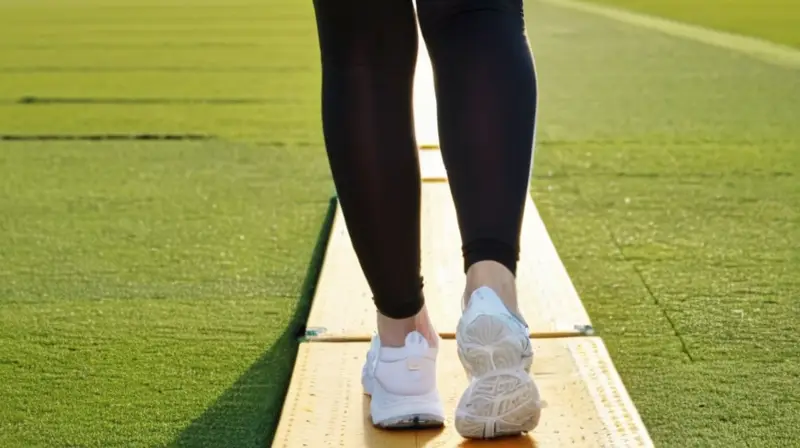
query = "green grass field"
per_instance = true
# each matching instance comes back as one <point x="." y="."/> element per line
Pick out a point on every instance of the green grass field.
<point x="150" y="290"/>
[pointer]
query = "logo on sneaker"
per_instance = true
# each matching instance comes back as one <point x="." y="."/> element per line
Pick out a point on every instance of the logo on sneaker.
<point x="413" y="363"/>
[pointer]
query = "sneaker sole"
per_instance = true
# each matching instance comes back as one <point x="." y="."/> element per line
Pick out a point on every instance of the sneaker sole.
<point x="502" y="399"/>
<point x="414" y="421"/>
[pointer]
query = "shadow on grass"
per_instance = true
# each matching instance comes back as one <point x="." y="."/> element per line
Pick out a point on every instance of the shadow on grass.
<point x="247" y="414"/>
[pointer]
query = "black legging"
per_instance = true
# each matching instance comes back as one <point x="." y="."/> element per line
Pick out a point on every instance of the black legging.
<point x="486" y="100"/>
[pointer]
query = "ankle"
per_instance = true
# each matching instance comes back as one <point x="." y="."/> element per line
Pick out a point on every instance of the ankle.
<point x="393" y="332"/>
<point x="496" y="277"/>
<point x="425" y="326"/>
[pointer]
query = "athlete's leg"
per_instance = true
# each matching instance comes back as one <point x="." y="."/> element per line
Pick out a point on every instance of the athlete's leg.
<point x="369" y="50"/>
<point x="486" y="100"/>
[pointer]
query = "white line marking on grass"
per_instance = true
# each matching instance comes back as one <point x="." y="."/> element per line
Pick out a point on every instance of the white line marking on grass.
<point x="758" y="48"/>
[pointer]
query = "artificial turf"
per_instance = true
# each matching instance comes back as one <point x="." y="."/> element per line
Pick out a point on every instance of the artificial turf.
<point x="667" y="175"/>
<point x="150" y="291"/>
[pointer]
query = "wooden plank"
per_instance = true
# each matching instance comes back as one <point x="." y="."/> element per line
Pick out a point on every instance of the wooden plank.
<point x="426" y="125"/>
<point x="431" y="166"/>
<point x="342" y="307"/>
<point x="587" y="404"/>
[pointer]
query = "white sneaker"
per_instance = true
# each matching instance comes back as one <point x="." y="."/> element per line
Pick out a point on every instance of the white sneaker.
<point x="402" y="383"/>
<point x="493" y="346"/>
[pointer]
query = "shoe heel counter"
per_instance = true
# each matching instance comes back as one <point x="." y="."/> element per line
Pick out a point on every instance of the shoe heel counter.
<point x="415" y="375"/>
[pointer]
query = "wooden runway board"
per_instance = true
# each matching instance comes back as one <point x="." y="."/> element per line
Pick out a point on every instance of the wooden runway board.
<point x="342" y="307"/>
<point x="431" y="166"/>
<point x="587" y="405"/>
<point x="425" y="123"/>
